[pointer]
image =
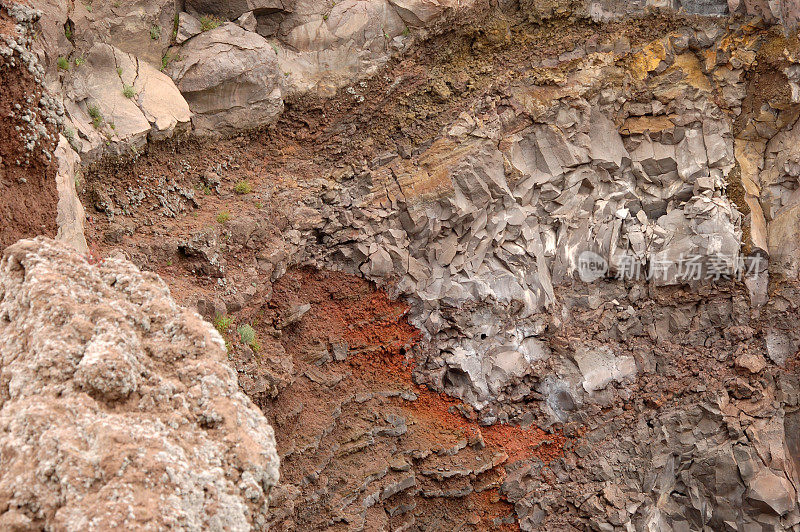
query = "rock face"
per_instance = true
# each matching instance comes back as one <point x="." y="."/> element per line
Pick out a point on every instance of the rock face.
<point x="786" y="12"/>
<point x="477" y="178"/>
<point x="231" y="80"/>
<point x="116" y="406"/>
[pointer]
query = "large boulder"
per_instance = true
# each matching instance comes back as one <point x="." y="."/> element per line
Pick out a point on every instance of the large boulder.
<point x="328" y="47"/>
<point x="117" y="407"/>
<point x="231" y="80"/>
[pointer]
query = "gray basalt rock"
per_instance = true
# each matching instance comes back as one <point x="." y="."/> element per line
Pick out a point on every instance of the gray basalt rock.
<point x="123" y="395"/>
<point x="231" y="80"/>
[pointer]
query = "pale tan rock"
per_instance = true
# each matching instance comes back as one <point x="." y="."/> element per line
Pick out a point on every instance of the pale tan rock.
<point x="139" y="27"/>
<point x="155" y="108"/>
<point x="188" y="27"/>
<point x="754" y="363"/>
<point x="338" y="45"/>
<point x="71" y="215"/>
<point x="157" y="97"/>
<point x="100" y="86"/>
<point x="118" y="409"/>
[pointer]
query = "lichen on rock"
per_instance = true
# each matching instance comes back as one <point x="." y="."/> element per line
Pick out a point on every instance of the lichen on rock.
<point x="117" y="409"/>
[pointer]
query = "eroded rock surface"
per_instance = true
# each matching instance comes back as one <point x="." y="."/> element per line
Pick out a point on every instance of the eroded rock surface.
<point x="230" y="79"/>
<point x="117" y="409"/>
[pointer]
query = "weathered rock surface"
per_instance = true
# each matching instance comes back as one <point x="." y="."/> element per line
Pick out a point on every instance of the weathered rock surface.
<point x="117" y="409"/>
<point x="71" y="215"/>
<point x="231" y="80"/>
<point x="656" y="403"/>
<point x="117" y="102"/>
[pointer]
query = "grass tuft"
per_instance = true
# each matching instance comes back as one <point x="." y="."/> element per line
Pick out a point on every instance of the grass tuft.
<point x="209" y="22"/>
<point x="242" y="187"/>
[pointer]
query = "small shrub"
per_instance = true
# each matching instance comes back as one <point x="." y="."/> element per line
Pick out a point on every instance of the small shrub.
<point x="406" y="31"/>
<point x="155" y="32"/>
<point x="62" y="63"/>
<point x="223" y="217"/>
<point x="79" y="61"/>
<point x="209" y="22"/>
<point x="248" y="336"/>
<point x="69" y="133"/>
<point x="96" y="115"/>
<point x="128" y="91"/>
<point x="68" y="32"/>
<point x="242" y="187"/>
<point x="222" y="324"/>
<point x="119" y="71"/>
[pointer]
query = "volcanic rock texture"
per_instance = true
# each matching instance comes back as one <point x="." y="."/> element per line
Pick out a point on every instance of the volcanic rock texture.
<point x="392" y="264"/>
<point x="117" y="409"/>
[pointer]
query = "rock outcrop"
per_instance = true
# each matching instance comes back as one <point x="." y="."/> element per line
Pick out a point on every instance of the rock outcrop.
<point x="595" y="244"/>
<point x="230" y="79"/>
<point x="117" y="408"/>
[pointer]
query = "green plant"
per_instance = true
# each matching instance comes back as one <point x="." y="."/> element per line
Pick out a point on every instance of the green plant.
<point x="88" y="7"/>
<point x="223" y="217"/>
<point x="166" y="59"/>
<point x="79" y="61"/>
<point x="248" y="336"/>
<point x="406" y="31"/>
<point x="222" y="323"/>
<point x="128" y="91"/>
<point x="119" y="71"/>
<point x="62" y="63"/>
<point x="68" y="32"/>
<point x="206" y="190"/>
<point x="96" y="115"/>
<point x="155" y="32"/>
<point x="209" y="22"/>
<point x="242" y="187"/>
<point x="69" y="133"/>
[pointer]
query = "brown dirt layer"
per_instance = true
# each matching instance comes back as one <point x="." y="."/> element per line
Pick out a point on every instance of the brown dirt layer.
<point x="28" y="195"/>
